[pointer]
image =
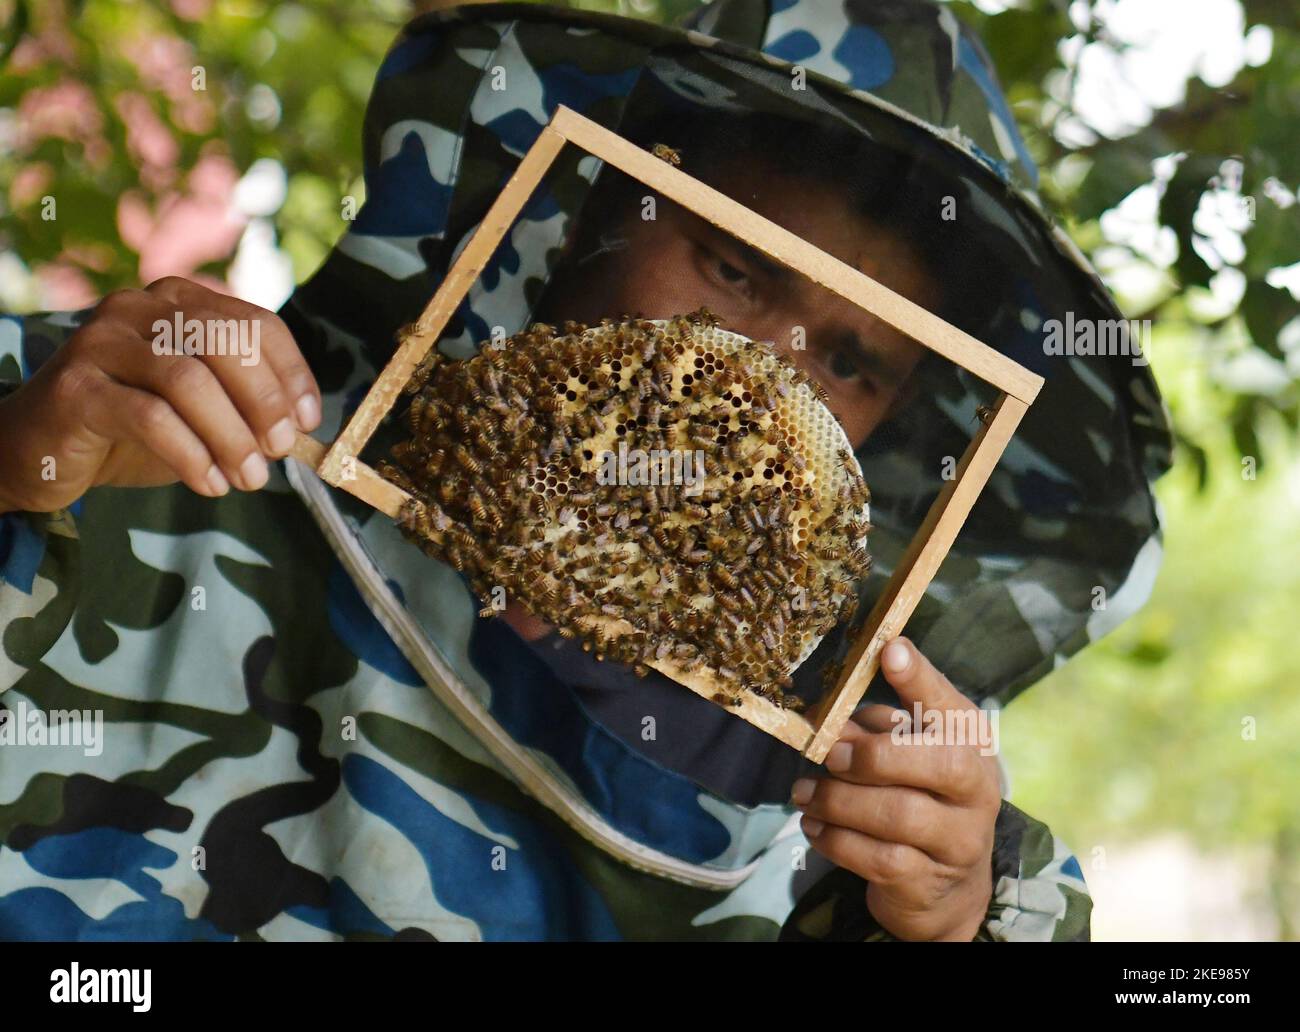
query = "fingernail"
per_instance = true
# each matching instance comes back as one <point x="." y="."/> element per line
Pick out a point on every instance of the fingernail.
<point x="812" y="827"/>
<point x="802" y="791"/>
<point x="895" y="657"/>
<point x="307" y="411"/>
<point x="217" y="483"/>
<point x="253" y="472"/>
<point x="280" y="437"/>
<point x="840" y="757"/>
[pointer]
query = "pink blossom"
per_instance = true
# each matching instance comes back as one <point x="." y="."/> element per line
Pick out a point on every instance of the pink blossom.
<point x="164" y="62"/>
<point x="67" y="111"/>
<point x="30" y="183"/>
<point x="166" y="65"/>
<point x="51" y="42"/>
<point x="191" y="10"/>
<point x="148" y="140"/>
<point x="134" y="220"/>
<point x="185" y="231"/>
<point x="63" y="286"/>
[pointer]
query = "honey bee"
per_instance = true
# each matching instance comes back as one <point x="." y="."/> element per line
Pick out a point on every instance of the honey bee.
<point x="725" y="577"/>
<point x="665" y="153"/>
<point x="857" y="528"/>
<point x="419" y="414"/>
<point x="525" y="365"/>
<point x="728" y="602"/>
<point x="984" y="413"/>
<point x="848" y="608"/>
<point x="466" y="459"/>
<point x="475" y="391"/>
<point x="480" y="510"/>
<point x="859" y="560"/>
<point x="517" y="423"/>
<point x="463" y="416"/>
<point x="420" y="376"/>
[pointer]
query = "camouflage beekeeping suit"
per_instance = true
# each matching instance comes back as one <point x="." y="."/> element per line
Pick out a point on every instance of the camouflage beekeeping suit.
<point x="307" y="733"/>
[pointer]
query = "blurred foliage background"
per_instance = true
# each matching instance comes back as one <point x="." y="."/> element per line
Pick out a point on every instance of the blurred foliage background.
<point x="220" y="140"/>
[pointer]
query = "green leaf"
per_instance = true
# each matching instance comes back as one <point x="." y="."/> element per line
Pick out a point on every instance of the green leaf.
<point x="1004" y="36"/>
<point x="1196" y="455"/>
<point x="1266" y="310"/>
<point x="1149" y="653"/>
<point x="13" y="32"/>
<point x="1117" y="170"/>
<point x="1177" y="208"/>
<point x="1275" y="107"/>
<point x="1245" y="434"/>
<point x="1273" y="240"/>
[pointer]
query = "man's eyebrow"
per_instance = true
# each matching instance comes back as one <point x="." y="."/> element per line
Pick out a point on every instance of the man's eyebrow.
<point x="768" y="266"/>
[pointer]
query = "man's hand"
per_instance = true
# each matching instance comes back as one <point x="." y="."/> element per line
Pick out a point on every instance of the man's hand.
<point x="108" y="409"/>
<point x="915" y="820"/>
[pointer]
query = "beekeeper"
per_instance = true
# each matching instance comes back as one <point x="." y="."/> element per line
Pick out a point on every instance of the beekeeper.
<point x="308" y="732"/>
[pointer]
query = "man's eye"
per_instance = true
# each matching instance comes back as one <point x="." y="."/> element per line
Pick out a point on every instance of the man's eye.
<point x="846" y="367"/>
<point x="726" y="273"/>
<point x="729" y="272"/>
<point x="843" y="366"/>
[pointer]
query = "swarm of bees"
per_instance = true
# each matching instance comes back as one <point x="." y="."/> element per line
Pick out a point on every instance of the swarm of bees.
<point x="672" y="494"/>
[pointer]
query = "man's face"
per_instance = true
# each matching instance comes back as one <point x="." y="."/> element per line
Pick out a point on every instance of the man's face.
<point x="677" y="261"/>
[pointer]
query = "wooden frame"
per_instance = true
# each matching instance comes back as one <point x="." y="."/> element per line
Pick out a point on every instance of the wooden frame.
<point x="815" y="733"/>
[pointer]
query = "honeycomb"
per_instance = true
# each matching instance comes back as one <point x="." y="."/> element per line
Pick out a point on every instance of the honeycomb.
<point x="672" y="493"/>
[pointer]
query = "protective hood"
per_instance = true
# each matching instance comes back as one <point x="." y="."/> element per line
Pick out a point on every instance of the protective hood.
<point x="1068" y="518"/>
